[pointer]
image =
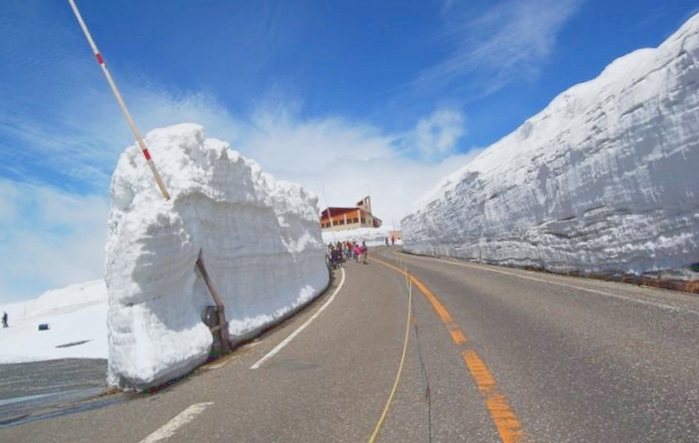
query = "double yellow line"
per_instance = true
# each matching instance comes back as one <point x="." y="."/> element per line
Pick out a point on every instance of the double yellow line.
<point x="506" y="422"/>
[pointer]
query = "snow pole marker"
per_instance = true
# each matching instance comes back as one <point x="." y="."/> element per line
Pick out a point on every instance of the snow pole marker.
<point x="149" y="160"/>
<point x="120" y="101"/>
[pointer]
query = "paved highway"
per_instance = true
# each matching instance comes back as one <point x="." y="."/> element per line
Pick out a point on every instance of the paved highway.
<point x="475" y="353"/>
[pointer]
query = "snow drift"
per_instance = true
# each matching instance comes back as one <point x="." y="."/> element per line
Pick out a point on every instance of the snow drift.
<point x="76" y="317"/>
<point x="603" y="180"/>
<point x="260" y="239"/>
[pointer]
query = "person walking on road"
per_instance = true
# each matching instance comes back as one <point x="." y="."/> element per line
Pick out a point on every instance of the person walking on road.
<point x="357" y="251"/>
<point x="4" y="319"/>
<point x="365" y="252"/>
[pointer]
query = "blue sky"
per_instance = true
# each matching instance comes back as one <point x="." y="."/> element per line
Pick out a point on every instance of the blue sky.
<point x="396" y="93"/>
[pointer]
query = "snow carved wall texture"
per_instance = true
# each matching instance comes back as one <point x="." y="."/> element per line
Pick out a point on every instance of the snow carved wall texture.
<point x="603" y="180"/>
<point x="260" y="239"/>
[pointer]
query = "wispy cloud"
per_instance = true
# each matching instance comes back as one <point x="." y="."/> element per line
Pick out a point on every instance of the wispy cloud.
<point x="437" y="135"/>
<point x="342" y="160"/>
<point x="512" y="39"/>
<point x="284" y="142"/>
<point x="62" y="134"/>
<point x="78" y="147"/>
<point x="55" y="235"/>
<point x="49" y="238"/>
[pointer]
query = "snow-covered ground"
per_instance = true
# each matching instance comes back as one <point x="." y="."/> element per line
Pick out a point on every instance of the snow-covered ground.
<point x="76" y="315"/>
<point x="372" y="236"/>
<point x="259" y="237"/>
<point x="603" y="179"/>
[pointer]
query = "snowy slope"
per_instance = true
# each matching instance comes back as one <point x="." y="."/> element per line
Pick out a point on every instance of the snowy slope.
<point x="76" y="315"/>
<point x="260" y="240"/>
<point x="602" y="180"/>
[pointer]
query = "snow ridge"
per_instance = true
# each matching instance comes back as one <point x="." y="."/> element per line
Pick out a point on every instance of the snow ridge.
<point x="602" y="180"/>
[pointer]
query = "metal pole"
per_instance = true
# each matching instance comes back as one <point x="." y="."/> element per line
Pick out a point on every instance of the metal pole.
<point x="151" y="165"/>
<point x="120" y="101"/>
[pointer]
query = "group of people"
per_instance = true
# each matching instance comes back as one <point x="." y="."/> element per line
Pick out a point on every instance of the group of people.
<point x="341" y="252"/>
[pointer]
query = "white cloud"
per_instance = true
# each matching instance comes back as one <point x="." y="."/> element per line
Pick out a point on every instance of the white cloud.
<point x="87" y="133"/>
<point x="52" y="238"/>
<point x="395" y="183"/>
<point x="342" y="160"/>
<point x="437" y="135"/>
<point x="510" y="40"/>
<point x="49" y="239"/>
<point x="283" y="143"/>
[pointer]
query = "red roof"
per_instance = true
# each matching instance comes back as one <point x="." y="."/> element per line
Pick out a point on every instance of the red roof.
<point x="338" y="211"/>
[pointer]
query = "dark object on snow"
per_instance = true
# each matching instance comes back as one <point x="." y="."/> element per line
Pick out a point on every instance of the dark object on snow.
<point x="4" y="319"/>
<point x="210" y="316"/>
<point x="75" y="343"/>
<point x="44" y="327"/>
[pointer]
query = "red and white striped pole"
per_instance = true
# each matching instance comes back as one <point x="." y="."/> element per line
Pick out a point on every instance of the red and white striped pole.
<point x="120" y="101"/>
<point x="222" y="328"/>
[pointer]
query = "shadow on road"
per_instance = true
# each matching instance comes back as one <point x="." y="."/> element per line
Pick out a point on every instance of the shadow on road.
<point x="39" y="390"/>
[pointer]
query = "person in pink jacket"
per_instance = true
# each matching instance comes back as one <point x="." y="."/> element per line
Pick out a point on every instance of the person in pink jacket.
<point x="357" y="252"/>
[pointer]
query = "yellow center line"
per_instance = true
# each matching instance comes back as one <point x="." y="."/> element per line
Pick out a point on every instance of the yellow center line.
<point x="457" y="336"/>
<point x="441" y="310"/>
<point x="501" y="413"/>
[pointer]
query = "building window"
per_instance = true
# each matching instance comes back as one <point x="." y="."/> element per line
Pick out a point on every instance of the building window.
<point x="363" y="220"/>
<point x="355" y="220"/>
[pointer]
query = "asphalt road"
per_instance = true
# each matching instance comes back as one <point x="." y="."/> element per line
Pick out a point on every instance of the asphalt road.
<point x="34" y="389"/>
<point x="493" y="354"/>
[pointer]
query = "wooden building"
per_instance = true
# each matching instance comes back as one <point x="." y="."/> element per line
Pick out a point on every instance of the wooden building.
<point x="341" y="219"/>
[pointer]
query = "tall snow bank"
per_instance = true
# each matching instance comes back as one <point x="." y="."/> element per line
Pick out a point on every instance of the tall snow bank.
<point x="260" y="239"/>
<point x="602" y="180"/>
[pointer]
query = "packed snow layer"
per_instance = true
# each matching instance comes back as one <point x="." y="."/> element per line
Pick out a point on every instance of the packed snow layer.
<point x="372" y="236"/>
<point x="77" y="320"/>
<point x="603" y="180"/>
<point x="259" y="237"/>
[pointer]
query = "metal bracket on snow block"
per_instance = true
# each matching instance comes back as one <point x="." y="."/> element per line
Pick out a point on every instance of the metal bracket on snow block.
<point x="215" y="316"/>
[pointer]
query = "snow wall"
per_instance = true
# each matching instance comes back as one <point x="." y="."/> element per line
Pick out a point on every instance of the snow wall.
<point x="372" y="236"/>
<point x="260" y="239"/>
<point x="603" y="180"/>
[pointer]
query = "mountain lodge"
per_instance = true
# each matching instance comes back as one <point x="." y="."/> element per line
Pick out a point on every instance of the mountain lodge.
<point x="342" y="219"/>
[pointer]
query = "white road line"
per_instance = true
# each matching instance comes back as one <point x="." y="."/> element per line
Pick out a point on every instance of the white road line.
<point x="580" y="288"/>
<point x="184" y="417"/>
<point x="286" y="341"/>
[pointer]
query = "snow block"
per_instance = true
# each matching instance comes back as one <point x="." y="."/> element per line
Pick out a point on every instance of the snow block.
<point x="260" y="239"/>
<point x="603" y="180"/>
